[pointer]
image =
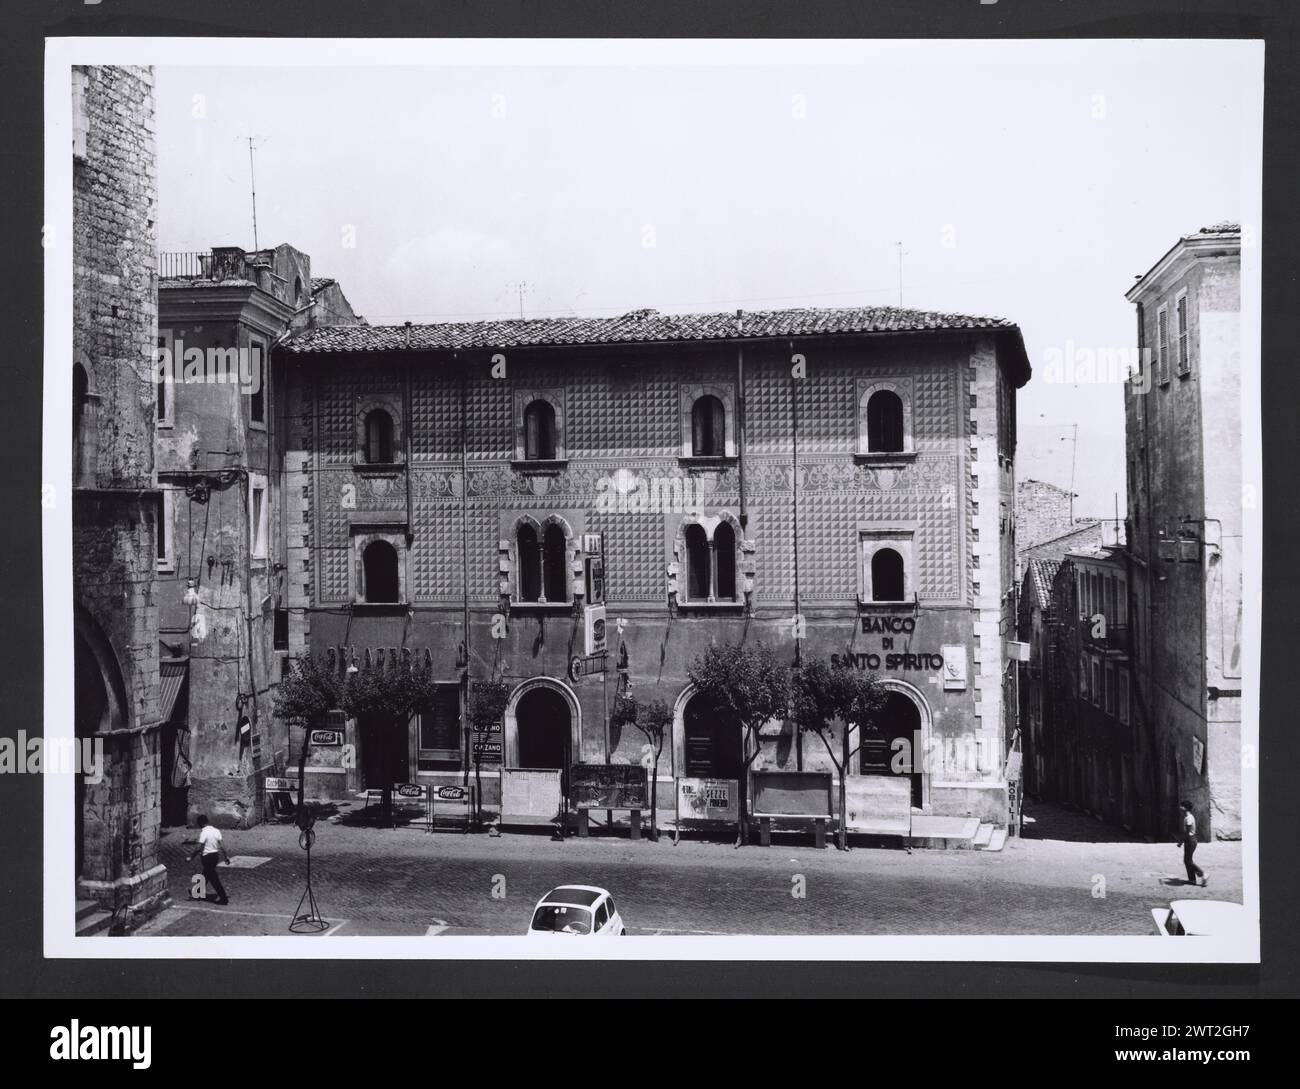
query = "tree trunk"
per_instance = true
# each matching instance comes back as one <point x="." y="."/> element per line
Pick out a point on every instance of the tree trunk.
<point x="386" y="762"/>
<point x="654" y="794"/>
<point x="843" y="770"/>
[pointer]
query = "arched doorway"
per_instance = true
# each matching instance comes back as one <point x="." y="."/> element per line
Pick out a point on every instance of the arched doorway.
<point x="99" y="707"/>
<point x="711" y="744"/>
<point x="880" y="751"/>
<point x="542" y="726"/>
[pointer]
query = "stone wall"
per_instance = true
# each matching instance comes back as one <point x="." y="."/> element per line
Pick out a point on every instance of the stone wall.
<point x="115" y="500"/>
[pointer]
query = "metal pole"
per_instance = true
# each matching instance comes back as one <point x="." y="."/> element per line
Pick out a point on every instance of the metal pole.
<point x="253" y="185"/>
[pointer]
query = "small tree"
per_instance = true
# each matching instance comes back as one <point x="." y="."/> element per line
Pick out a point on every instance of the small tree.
<point x="303" y="697"/>
<point x="485" y="708"/>
<point x="392" y="694"/>
<point x="748" y="687"/>
<point x="821" y="694"/>
<point x="653" y="720"/>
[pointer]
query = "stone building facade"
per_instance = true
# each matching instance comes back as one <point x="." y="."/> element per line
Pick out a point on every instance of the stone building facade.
<point x="1184" y="439"/>
<point x="115" y="501"/>
<point x="221" y="565"/>
<point x="1082" y="723"/>
<point x="846" y="476"/>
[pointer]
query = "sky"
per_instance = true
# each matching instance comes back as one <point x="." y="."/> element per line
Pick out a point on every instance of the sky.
<point x="1032" y="181"/>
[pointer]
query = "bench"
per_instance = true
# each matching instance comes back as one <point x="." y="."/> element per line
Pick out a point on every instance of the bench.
<point x="634" y="819"/>
<point x="820" y="821"/>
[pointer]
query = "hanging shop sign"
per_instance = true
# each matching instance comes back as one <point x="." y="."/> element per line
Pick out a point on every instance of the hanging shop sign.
<point x="580" y="667"/>
<point x="487" y="748"/>
<point x="593" y="630"/>
<point x="608" y="786"/>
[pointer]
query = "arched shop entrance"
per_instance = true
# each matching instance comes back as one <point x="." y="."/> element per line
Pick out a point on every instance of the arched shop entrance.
<point x="905" y="715"/>
<point x="710" y="745"/>
<point x="542" y="727"/>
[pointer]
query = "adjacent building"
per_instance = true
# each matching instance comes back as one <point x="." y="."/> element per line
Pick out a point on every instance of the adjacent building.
<point x="221" y="566"/>
<point x="1080" y="724"/>
<point x="1184" y="438"/>
<point x="483" y="496"/>
<point x="1131" y="699"/>
<point x="115" y="498"/>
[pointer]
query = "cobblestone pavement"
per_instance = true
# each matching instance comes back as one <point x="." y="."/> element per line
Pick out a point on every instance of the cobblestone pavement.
<point x="404" y="881"/>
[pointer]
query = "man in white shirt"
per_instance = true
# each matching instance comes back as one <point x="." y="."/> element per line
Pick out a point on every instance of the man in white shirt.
<point x="1189" y="847"/>
<point x="211" y="847"/>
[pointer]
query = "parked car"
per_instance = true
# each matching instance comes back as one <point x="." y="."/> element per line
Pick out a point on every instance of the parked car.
<point x="1213" y="917"/>
<point x="576" y="910"/>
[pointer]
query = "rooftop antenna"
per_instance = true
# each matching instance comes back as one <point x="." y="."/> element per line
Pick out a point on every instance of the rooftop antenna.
<point x="900" y="272"/>
<point x="1074" y="450"/>
<point x="252" y="180"/>
<point x="523" y="286"/>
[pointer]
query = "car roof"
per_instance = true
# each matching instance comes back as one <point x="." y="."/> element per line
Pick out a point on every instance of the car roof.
<point x="585" y="895"/>
<point x="1209" y="916"/>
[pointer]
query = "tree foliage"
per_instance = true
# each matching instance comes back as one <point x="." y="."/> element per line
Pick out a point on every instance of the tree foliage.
<point x="487" y="704"/>
<point x="308" y="692"/>
<point x="744" y="683"/>
<point x="821" y="694"/>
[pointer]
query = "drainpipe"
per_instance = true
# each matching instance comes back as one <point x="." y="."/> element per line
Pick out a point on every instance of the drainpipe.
<point x="740" y="418"/>
<point x="464" y="585"/>
<point x="794" y="493"/>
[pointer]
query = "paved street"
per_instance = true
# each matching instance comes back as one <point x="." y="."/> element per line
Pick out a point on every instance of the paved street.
<point x="404" y="881"/>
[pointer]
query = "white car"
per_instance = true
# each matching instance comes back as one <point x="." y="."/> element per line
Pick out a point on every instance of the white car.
<point x="1214" y="917"/>
<point x="577" y="910"/>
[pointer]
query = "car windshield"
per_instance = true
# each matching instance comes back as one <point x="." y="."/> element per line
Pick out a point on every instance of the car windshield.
<point x="562" y="919"/>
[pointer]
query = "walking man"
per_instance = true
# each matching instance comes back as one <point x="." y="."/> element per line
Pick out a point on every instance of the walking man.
<point x="211" y="847"/>
<point x="1189" y="847"/>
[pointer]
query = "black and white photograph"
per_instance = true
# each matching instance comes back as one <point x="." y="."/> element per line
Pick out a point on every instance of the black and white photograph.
<point x="751" y="500"/>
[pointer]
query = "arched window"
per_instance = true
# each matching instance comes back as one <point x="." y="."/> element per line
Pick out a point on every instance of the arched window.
<point x="81" y="451"/>
<point x="886" y="575"/>
<point x="708" y="427"/>
<point x="379" y="437"/>
<point x="530" y="564"/>
<point x="697" y="563"/>
<point x="555" y="575"/>
<point x="884" y="423"/>
<point x="298" y="296"/>
<point x="379" y="567"/>
<point x="724" y="560"/>
<point x="539" y="431"/>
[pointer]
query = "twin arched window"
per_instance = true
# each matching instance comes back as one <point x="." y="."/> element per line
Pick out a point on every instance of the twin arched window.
<point x="379" y="437"/>
<point x="710" y="564"/>
<point x="539" y="431"/>
<point x="381" y="584"/>
<point x="708" y="427"/>
<point x="543" y="575"/>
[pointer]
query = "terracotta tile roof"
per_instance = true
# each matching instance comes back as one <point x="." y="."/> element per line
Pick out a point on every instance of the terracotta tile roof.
<point x="1041" y="574"/>
<point x="319" y="282"/>
<point x="638" y="326"/>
